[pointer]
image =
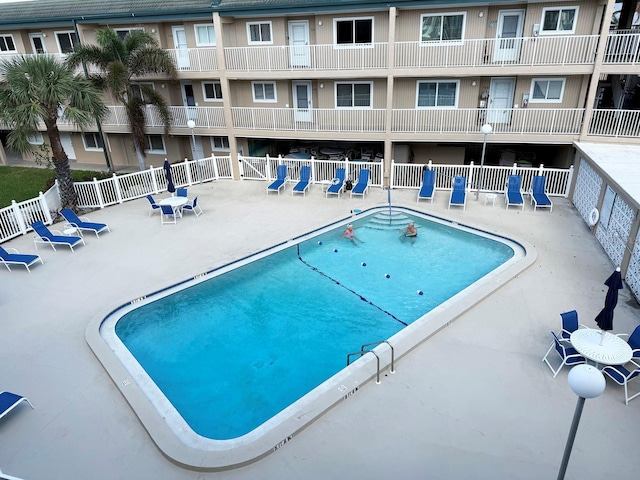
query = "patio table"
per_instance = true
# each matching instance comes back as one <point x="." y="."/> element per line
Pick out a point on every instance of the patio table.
<point x="612" y="351"/>
<point x="175" y="202"/>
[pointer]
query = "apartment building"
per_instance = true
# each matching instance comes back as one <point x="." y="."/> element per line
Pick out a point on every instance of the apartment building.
<point x="408" y="80"/>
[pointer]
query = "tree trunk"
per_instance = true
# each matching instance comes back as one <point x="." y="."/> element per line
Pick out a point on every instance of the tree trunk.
<point x="68" y="196"/>
<point x="140" y="156"/>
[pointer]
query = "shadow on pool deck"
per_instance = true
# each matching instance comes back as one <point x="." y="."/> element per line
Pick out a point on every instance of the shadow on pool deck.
<point x="475" y="401"/>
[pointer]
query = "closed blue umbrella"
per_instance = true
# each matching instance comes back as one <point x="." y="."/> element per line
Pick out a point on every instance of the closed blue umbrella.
<point x="170" y="186"/>
<point x="605" y="317"/>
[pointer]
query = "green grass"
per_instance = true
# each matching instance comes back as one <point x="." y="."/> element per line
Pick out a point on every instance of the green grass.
<point x="23" y="183"/>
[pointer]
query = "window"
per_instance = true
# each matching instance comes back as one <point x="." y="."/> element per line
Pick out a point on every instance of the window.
<point x="35" y="138"/>
<point x="546" y="90"/>
<point x="438" y="94"/>
<point x="66" y="41"/>
<point x="37" y="42"/>
<point x="92" y="141"/>
<point x="156" y="144"/>
<point x="220" y="143"/>
<point x="353" y="31"/>
<point x="264" y="91"/>
<point x="138" y="92"/>
<point x="559" y="20"/>
<point x="205" y="35"/>
<point x="259" y="33"/>
<point x="354" y="95"/>
<point x="212" y="91"/>
<point x="442" y="28"/>
<point x="6" y="43"/>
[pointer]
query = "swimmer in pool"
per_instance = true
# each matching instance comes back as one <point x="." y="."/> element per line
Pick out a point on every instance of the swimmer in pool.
<point x="410" y="231"/>
<point x="350" y="234"/>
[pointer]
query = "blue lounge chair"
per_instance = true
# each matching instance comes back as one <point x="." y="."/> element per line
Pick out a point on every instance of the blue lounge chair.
<point x="428" y="185"/>
<point x="459" y="193"/>
<point x="9" y="401"/>
<point x="337" y="184"/>
<point x="154" y="205"/>
<point x="303" y="184"/>
<point x="181" y="192"/>
<point x="54" y="237"/>
<point x="539" y="196"/>
<point x="194" y="207"/>
<point x="513" y="191"/>
<point x="565" y="351"/>
<point x="362" y="185"/>
<point x="280" y="180"/>
<point x="83" y="223"/>
<point x="15" y="258"/>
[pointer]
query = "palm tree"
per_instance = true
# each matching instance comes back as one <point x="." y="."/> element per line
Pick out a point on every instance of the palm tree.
<point x="39" y="88"/>
<point x="120" y="63"/>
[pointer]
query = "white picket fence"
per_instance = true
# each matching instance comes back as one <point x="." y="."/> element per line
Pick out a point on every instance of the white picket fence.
<point x="16" y="219"/>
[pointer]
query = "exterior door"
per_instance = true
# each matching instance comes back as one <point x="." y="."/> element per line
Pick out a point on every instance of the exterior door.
<point x="197" y="151"/>
<point x="37" y="43"/>
<point x="509" y="35"/>
<point x="67" y="145"/>
<point x="302" y="101"/>
<point x="500" y="100"/>
<point x="189" y="100"/>
<point x="180" y="44"/>
<point x="299" y="43"/>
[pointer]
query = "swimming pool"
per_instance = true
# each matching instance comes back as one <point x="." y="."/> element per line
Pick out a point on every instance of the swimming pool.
<point x="392" y="298"/>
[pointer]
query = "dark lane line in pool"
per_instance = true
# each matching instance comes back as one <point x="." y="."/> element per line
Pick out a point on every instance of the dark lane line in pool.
<point x="315" y="269"/>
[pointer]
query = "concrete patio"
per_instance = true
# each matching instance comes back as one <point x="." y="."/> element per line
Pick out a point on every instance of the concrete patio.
<point x="475" y="401"/>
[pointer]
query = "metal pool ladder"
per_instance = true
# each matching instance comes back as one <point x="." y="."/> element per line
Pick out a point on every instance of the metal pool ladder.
<point x="364" y="350"/>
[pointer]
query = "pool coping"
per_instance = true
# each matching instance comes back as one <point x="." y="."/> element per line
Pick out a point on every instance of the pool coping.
<point x="229" y="454"/>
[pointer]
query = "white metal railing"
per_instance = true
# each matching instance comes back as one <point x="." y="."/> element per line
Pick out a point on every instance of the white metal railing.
<point x="490" y="52"/>
<point x="16" y="219"/>
<point x="309" y="120"/>
<point x="615" y="123"/>
<point x="265" y="168"/>
<point x="204" y="117"/>
<point x="544" y="121"/>
<point x="494" y="178"/>
<point x="195" y="59"/>
<point x="307" y="57"/>
<point x="121" y="188"/>
<point x="623" y="48"/>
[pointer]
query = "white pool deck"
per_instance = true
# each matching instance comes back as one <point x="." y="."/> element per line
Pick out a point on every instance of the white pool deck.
<point x="475" y="401"/>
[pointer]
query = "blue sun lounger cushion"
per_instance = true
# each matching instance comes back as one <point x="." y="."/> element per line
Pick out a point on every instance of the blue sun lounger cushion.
<point x="362" y="185"/>
<point x="280" y="180"/>
<point x="337" y="184"/>
<point x="428" y="185"/>
<point x="15" y="258"/>
<point x="9" y="401"/>
<point x="539" y="196"/>
<point x="303" y="184"/>
<point x="459" y="193"/>
<point x="83" y="223"/>
<point x="53" y="238"/>
<point x="513" y="192"/>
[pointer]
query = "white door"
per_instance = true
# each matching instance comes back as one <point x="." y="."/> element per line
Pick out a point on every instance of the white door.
<point x="508" y="37"/>
<point x="67" y="145"/>
<point x="197" y="153"/>
<point x="189" y="100"/>
<point x="500" y="100"/>
<point x="302" y="100"/>
<point x="299" y="43"/>
<point x="37" y="43"/>
<point x="180" y="44"/>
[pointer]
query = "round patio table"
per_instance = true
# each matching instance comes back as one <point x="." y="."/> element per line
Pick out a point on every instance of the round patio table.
<point x="612" y="351"/>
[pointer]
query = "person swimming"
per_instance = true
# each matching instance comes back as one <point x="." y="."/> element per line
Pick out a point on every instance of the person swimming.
<point x="350" y="234"/>
<point x="410" y="231"/>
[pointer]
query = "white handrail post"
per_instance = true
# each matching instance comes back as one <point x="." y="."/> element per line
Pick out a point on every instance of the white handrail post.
<point x="214" y="161"/>
<point x="313" y="169"/>
<point x="154" y="182"/>
<point x="187" y="172"/>
<point x="116" y="184"/>
<point x="472" y="172"/>
<point x="568" y="184"/>
<point x="98" y="192"/>
<point x="541" y="169"/>
<point x="514" y="169"/>
<point x="392" y="173"/>
<point x="45" y="208"/>
<point x="18" y="216"/>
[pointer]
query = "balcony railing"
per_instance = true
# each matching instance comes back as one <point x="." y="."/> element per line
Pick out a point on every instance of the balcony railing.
<point x="623" y="48"/>
<point x="195" y="59"/>
<point x="204" y="117"/>
<point x="491" y="52"/>
<point x="543" y="121"/>
<point x="306" y="57"/>
<point x="310" y="120"/>
<point x="615" y="123"/>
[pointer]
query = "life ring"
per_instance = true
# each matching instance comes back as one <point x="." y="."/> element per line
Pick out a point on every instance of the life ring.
<point x="594" y="216"/>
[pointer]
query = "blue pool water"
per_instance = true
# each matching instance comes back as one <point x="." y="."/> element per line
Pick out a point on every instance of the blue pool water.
<point x="232" y="351"/>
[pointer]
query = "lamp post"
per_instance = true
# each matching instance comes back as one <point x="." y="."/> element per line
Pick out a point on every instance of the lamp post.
<point x="486" y="129"/>
<point x="191" y="125"/>
<point x="586" y="381"/>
